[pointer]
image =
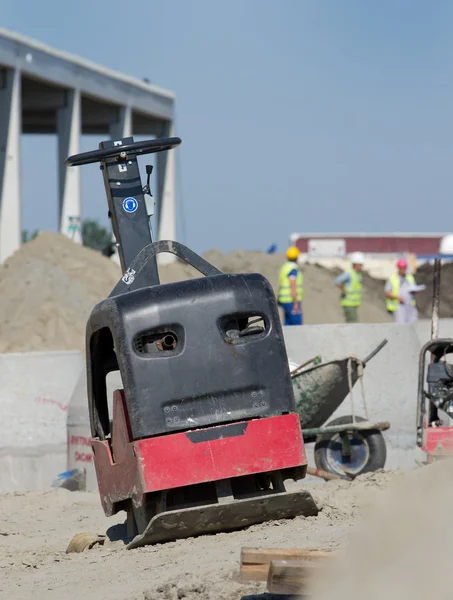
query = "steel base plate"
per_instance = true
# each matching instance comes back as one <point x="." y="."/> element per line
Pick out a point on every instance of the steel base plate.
<point x="216" y="518"/>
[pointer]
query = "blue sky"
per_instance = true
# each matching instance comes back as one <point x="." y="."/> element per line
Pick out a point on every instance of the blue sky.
<point x="295" y="115"/>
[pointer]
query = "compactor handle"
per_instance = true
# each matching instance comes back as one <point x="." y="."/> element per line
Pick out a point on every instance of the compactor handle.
<point x="375" y="351"/>
<point x="123" y="152"/>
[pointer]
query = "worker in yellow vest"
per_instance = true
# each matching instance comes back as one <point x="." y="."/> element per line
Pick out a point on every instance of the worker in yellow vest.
<point x="399" y="290"/>
<point x="350" y="284"/>
<point x="291" y="288"/>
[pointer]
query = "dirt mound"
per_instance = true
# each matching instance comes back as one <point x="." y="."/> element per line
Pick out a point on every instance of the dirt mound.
<point x="39" y="525"/>
<point x="48" y="290"/>
<point x="50" y="285"/>
<point x="424" y="299"/>
<point x="402" y="548"/>
<point x="343" y="499"/>
<point x="321" y="303"/>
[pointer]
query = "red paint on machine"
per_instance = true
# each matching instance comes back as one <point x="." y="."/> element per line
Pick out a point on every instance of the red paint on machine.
<point x="128" y="467"/>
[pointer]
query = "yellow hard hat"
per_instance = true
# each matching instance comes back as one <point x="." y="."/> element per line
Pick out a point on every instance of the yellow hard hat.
<point x="292" y="253"/>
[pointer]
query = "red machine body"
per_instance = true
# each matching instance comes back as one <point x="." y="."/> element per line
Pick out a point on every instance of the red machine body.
<point x="437" y="442"/>
<point x="130" y="469"/>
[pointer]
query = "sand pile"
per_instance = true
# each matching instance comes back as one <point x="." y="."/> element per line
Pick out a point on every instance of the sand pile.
<point x="48" y="289"/>
<point x="321" y="303"/>
<point x="424" y="299"/>
<point x="402" y="548"/>
<point x="36" y="528"/>
<point x="50" y="285"/>
<point x="392" y="532"/>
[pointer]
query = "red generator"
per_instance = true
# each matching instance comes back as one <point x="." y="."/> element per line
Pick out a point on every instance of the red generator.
<point x="435" y="387"/>
<point x="435" y="400"/>
<point x="204" y="433"/>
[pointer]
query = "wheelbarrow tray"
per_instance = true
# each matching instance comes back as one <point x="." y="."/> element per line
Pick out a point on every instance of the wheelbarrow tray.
<point x="320" y="390"/>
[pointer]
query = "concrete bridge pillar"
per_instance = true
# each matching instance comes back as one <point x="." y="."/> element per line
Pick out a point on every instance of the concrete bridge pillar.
<point x="10" y="191"/>
<point x="69" y="131"/>
<point x="166" y="174"/>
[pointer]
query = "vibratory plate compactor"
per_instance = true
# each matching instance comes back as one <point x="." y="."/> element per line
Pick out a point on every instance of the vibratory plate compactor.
<point x="204" y="433"/>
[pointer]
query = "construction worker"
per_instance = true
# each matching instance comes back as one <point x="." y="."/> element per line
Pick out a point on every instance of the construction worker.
<point x="291" y="290"/>
<point x="350" y="284"/>
<point x="399" y="290"/>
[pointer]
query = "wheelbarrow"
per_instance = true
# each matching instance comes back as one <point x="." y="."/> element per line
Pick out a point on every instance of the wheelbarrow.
<point x="346" y="446"/>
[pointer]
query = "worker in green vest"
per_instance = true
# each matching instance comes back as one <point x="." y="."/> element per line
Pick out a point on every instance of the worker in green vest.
<point x="399" y="290"/>
<point x="350" y="284"/>
<point x="291" y="288"/>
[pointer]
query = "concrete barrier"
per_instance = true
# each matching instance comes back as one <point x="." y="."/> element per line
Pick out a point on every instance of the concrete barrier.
<point x="390" y="383"/>
<point x="390" y="378"/>
<point x="35" y="389"/>
<point x="423" y="329"/>
<point x="80" y="455"/>
<point x="41" y="437"/>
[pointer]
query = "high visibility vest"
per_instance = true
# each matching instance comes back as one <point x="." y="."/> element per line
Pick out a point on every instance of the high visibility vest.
<point x="353" y="295"/>
<point x="284" y="289"/>
<point x="393" y="305"/>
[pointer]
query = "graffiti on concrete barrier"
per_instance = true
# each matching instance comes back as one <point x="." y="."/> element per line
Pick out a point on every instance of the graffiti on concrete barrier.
<point x="79" y="440"/>
<point x="83" y="457"/>
<point x="60" y="405"/>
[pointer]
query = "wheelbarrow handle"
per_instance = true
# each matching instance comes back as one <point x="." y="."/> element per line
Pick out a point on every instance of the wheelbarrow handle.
<point x="375" y="351"/>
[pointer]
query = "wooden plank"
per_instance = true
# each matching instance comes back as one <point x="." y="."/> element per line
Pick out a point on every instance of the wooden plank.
<point x="325" y="475"/>
<point x="253" y="572"/>
<point x="264" y="556"/>
<point x="289" y="576"/>
<point x="255" y="562"/>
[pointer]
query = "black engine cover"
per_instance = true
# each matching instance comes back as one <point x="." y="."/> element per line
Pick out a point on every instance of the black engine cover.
<point x="214" y="374"/>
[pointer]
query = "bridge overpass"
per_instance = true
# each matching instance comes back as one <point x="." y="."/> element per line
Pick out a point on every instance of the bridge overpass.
<point x="47" y="91"/>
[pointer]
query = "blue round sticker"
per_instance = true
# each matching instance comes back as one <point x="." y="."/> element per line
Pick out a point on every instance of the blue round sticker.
<point x="130" y="205"/>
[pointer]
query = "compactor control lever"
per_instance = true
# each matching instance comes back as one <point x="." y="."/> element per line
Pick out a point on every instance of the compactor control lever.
<point x="147" y="188"/>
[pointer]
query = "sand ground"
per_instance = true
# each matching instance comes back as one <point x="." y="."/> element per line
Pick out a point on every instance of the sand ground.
<point x="35" y="529"/>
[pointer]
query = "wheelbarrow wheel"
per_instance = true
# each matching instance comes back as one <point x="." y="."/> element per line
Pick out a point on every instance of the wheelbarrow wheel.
<point x="368" y="451"/>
